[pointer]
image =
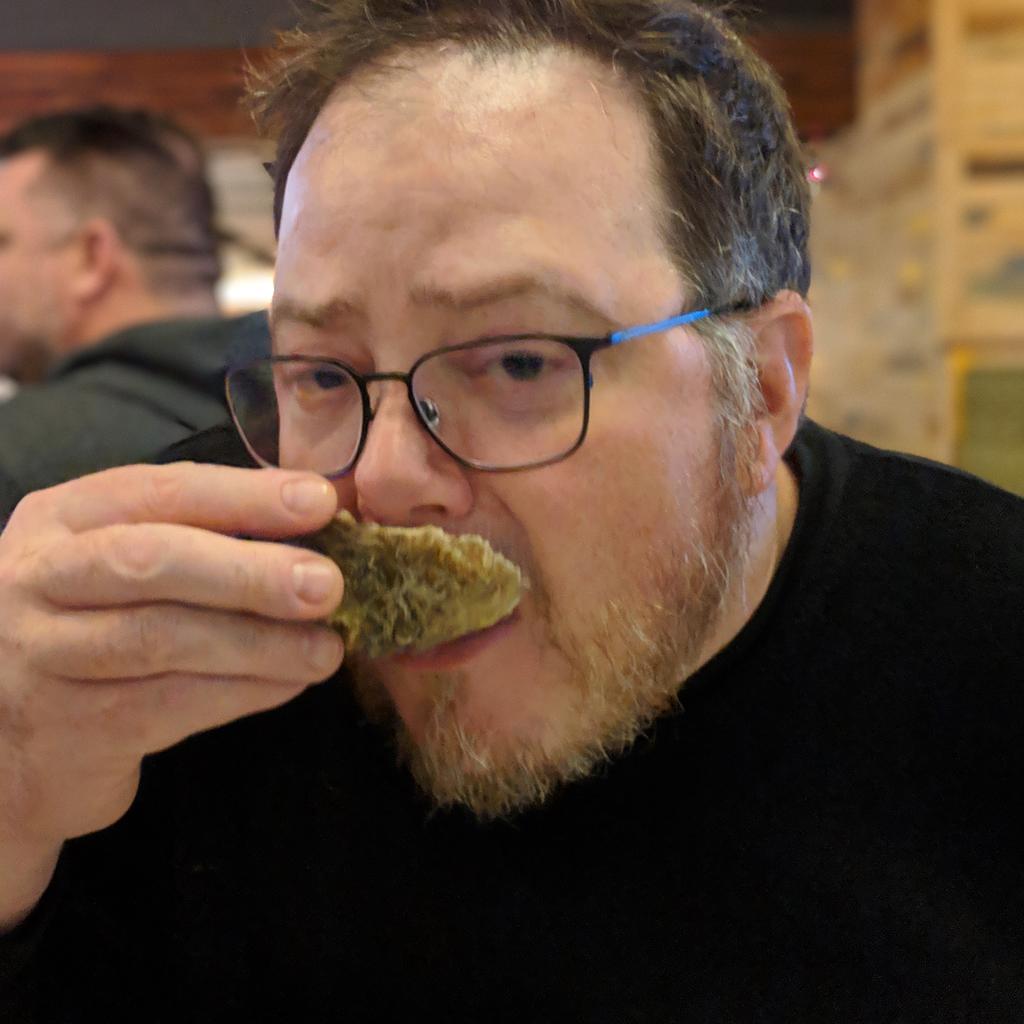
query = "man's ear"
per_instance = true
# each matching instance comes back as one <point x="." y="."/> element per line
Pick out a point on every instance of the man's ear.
<point x="784" y="335"/>
<point x="98" y="254"/>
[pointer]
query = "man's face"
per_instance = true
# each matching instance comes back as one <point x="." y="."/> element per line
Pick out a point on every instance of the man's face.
<point x="450" y="200"/>
<point x="32" y="268"/>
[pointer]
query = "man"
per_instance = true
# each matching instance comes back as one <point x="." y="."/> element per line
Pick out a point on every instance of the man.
<point x="108" y="261"/>
<point x="749" y="748"/>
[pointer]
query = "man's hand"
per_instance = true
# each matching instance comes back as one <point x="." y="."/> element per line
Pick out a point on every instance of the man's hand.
<point x="130" y="619"/>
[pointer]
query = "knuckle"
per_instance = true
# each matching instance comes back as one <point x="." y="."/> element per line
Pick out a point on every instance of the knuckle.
<point x="31" y="507"/>
<point x="150" y="645"/>
<point x="247" y="579"/>
<point x="258" y="640"/>
<point x="49" y="570"/>
<point x="54" y="654"/>
<point x="12" y="573"/>
<point x="163" y="491"/>
<point x="137" y="553"/>
<point x="98" y="653"/>
<point x="136" y="643"/>
<point x="273" y="651"/>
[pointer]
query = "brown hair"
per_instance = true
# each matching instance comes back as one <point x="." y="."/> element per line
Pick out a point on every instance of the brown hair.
<point x="142" y="172"/>
<point x="730" y="162"/>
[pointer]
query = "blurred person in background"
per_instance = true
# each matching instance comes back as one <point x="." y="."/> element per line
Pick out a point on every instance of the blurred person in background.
<point x="108" y="315"/>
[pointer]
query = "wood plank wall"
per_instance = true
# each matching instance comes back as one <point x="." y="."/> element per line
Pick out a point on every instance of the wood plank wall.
<point x="203" y="88"/>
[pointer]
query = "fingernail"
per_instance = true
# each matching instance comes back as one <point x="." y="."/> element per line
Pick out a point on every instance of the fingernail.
<point x="325" y="652"/>
<point x="314" y="582"/>
<point x="304" y="497"/>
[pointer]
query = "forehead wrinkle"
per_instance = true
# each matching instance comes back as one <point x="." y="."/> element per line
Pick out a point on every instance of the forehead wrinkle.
<point x="316" y="315"/>
<point x="529" y="285"/>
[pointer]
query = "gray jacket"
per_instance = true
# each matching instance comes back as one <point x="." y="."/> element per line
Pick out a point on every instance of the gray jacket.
<point x="121" y="401"/>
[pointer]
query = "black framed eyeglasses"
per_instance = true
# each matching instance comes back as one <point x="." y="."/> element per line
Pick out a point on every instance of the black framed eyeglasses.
<point x="496" y="404"/>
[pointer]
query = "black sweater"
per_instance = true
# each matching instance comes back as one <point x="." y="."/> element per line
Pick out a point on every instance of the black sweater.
<point x="828" y="831"/>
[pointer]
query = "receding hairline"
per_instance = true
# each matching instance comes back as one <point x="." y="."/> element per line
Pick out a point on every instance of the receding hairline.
<point x="484" y="49"/>
<point x="601" y="77"/>
<point x="605" y="82"/>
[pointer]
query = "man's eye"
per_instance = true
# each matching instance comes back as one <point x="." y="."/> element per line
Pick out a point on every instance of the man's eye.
<point x="314" y="383"/>
<point x="523" y="366"/>
<point x="327" y="378"/>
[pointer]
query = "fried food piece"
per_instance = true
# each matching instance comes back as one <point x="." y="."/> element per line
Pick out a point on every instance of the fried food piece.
<point x="412" y="588"/>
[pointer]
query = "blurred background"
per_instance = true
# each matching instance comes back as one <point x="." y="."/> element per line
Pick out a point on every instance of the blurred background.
<point x="913" y="116"/>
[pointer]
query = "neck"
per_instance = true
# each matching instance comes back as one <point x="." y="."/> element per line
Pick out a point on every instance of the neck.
<point x="110" y="318"/>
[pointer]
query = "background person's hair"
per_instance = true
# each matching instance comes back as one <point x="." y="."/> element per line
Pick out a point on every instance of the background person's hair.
<point x="140" y="171"/>
<point x="729" y="162"/>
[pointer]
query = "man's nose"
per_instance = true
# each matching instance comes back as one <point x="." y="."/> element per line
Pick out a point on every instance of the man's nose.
<point x="403" y="476"/>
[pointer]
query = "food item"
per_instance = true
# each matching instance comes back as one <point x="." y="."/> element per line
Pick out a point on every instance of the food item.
<point x="412" y="588"/>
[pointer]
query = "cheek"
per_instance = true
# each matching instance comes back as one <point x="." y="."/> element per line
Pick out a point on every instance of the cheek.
<point x="638" y="487"/>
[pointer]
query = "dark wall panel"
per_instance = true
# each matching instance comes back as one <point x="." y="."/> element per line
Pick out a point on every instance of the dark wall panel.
<point x="139" y="24"/>
<point x="171" y="24"/>
<point x="203" y="87"/>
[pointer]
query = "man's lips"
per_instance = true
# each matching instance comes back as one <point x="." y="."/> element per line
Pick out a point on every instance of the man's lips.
<point x="456" y="652"/>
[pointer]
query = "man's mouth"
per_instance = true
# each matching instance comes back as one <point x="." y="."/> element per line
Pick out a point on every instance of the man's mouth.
<point x="455" y="652"/>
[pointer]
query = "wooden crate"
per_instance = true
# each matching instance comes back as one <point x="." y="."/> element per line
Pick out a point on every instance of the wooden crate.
<point x="895" y="44"/>
<point x="918" y="235"/>
<point x="990" y="405"/>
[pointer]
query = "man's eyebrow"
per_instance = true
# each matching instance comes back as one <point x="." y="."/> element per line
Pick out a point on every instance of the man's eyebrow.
<point x="465" y="300"/>
<point x="317" y="316"/>
<point x="461" y="300"/>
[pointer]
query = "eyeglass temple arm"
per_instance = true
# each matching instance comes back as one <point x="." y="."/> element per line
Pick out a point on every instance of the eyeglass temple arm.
<point x="662" y="325"/>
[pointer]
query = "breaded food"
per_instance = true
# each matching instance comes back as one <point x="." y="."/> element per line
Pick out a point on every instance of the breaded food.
<point x="412" y="588"/>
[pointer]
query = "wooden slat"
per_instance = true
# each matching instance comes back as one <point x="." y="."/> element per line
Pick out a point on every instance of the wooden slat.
<point x="818" y="69"/>
<point x="203" y="88"/>
<point x="894" y="44"/>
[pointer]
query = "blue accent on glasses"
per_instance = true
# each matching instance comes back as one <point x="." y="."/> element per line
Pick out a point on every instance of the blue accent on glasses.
<point x="662" y="325"/>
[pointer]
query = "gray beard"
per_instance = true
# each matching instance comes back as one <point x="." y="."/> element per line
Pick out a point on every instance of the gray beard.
<point x="628" y="664"/>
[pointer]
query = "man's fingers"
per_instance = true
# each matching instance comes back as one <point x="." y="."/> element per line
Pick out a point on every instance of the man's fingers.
<point x="257" y="502"/>
<point x="146" y="563"/>
<point x="151" y="640"/>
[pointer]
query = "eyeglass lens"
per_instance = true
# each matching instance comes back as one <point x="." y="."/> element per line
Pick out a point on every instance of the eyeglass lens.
<point x="497" y="405"/>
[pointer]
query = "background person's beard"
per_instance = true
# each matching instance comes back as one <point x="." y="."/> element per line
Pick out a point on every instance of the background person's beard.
<point x="24" y="358"/>
<point x="628" y="662"/>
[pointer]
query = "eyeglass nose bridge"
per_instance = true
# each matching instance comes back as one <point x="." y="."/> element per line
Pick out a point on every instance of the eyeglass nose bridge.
<point x="425" y="409"/>
<point x="369" y="378"/>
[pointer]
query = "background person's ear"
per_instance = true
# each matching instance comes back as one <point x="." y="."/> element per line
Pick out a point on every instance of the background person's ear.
<point x="784" y="341"/>
<point x="98" y="256"/>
